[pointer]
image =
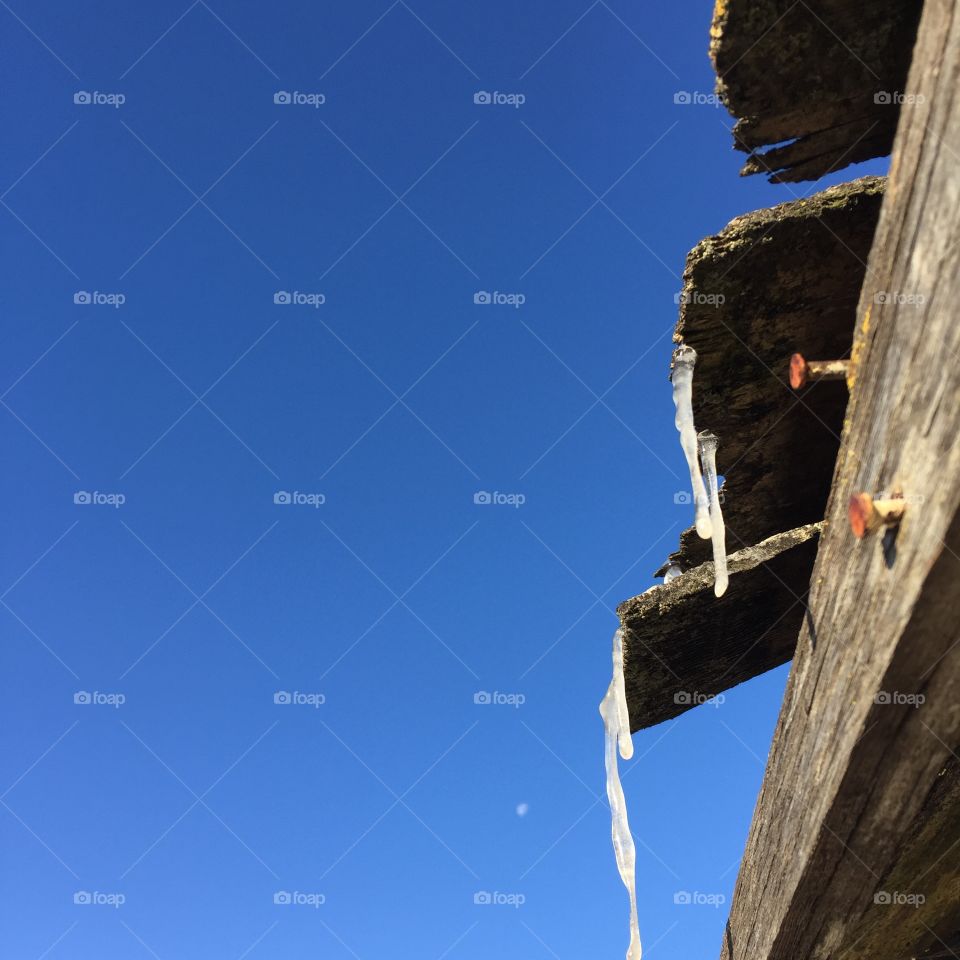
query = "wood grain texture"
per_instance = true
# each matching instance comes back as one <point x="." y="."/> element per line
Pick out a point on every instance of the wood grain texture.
<point x="683" y="644"/>
<point x="813" y="72"/>
<point x="859" y="805"/>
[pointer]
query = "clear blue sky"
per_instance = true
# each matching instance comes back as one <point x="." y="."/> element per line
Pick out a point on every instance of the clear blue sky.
<point x="398" y="598"/>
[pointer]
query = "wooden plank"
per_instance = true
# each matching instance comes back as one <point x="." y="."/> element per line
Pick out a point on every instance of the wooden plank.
<point x="774" y="281"/>
<point x="824" y="74"/>
<point x="859" y="816"/>
<point x="683" y="645"/>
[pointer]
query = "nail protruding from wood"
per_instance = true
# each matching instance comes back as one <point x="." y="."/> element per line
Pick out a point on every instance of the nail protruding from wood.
<point x="867" y="514"/>
<point x="802" y="371"/>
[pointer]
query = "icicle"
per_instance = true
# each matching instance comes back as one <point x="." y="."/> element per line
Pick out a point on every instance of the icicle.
<point x="673" y="571"/>
<point x="616" y="725"/>
<point x="708" y="454"/>
<point x="683" y="362"/>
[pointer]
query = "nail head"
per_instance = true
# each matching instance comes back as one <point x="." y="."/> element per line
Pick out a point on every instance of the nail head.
<point x="798" y="371"/>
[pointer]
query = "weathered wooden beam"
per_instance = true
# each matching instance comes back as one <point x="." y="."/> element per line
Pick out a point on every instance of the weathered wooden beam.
<point x="854" y="849"/>
<point x="773" y="282"/>
<point x="827" y="75"/>
<point x="683" y="645"/>
<point x="925" y="860"/>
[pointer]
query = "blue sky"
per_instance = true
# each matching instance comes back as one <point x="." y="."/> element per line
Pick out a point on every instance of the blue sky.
<point x="182" y="401"/>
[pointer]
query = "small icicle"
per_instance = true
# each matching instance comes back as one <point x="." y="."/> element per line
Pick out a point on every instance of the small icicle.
<point x="708" y="454"/>
<point x="616" y="726"/>
<point x="683" y="363"/>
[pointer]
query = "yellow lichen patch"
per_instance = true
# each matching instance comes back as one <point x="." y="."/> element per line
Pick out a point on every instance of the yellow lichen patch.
<point x="859" y="342"/>
<point x="716" y="28"/>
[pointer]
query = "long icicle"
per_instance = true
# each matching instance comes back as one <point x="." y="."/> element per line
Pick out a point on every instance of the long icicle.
<point x="708" y="454"/>
<point x="683" y="363"/>
<point x="616" y="726"/>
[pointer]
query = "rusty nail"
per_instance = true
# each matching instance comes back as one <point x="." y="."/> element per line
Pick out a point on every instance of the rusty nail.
<point x="867" y="514"/>
<point x="802" y="371"/>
